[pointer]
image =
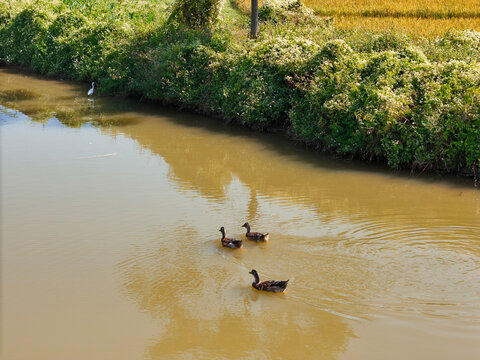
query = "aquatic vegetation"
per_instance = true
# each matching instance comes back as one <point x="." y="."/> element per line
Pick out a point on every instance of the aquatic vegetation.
<point x="8" y="96"/>
<point x="413" y="104"/>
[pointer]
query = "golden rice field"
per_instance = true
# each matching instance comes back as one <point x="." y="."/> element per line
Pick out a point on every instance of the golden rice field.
<point x="414" y="17"/>
<point x="417" y="27"/>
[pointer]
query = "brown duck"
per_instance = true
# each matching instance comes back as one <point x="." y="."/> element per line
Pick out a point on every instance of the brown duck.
<point x="269" y="285"/>
<point x="228" y="242"/>
<point x="255" y="236"/>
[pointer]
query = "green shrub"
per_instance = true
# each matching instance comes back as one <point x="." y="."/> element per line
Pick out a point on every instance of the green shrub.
<point x="4" y="14"/>
<point x="285" y="10"/>
<point x="23" y="40"/>
<point x="62" y="45"/>
<point x="201" y="14"/>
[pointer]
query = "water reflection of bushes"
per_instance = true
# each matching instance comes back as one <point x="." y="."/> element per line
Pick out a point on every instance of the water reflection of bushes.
<point x="68" y="110"/>
<point x="9" y="96"/>
<point x="115" y="120"/>
<point x="69" y="118"/>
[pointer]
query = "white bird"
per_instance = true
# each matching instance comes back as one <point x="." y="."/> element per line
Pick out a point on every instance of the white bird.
<point x="90" y="92"/>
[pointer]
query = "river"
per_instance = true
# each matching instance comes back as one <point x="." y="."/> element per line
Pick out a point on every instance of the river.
<point x="110" y="211"/>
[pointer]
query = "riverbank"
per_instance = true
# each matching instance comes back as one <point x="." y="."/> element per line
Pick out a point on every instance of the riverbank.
<point x="410" y="104"/>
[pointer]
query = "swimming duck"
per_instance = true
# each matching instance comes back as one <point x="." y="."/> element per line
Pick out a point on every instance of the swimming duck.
<point x="270" y="285"/>
<point x="230" y="243"/>
<point x="256" y="236"/>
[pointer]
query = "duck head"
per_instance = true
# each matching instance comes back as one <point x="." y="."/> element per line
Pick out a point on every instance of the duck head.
<point x="246" y="226"/>
<point x="222" y="230"/>
<point x="255" y="275"/>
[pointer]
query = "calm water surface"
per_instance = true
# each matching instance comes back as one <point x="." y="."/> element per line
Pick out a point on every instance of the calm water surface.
<point x="110" y="211"/>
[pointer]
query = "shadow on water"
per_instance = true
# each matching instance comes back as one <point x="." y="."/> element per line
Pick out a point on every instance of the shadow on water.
<point x="73" y="109"/>
<point x="205" y="155"/>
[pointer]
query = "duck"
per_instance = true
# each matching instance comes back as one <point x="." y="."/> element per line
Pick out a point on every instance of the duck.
<point x="228" y="242"/>
<point x="269" y="285"/>
<point x="255" y="236"/>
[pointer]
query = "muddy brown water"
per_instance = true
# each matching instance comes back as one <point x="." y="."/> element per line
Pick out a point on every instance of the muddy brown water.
<point x="110" y="211"/>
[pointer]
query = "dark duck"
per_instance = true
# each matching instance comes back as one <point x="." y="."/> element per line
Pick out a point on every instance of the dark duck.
<point x="255" y="236"/>
<point x="269" y="285"/>
<point x="228" y="242"/>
